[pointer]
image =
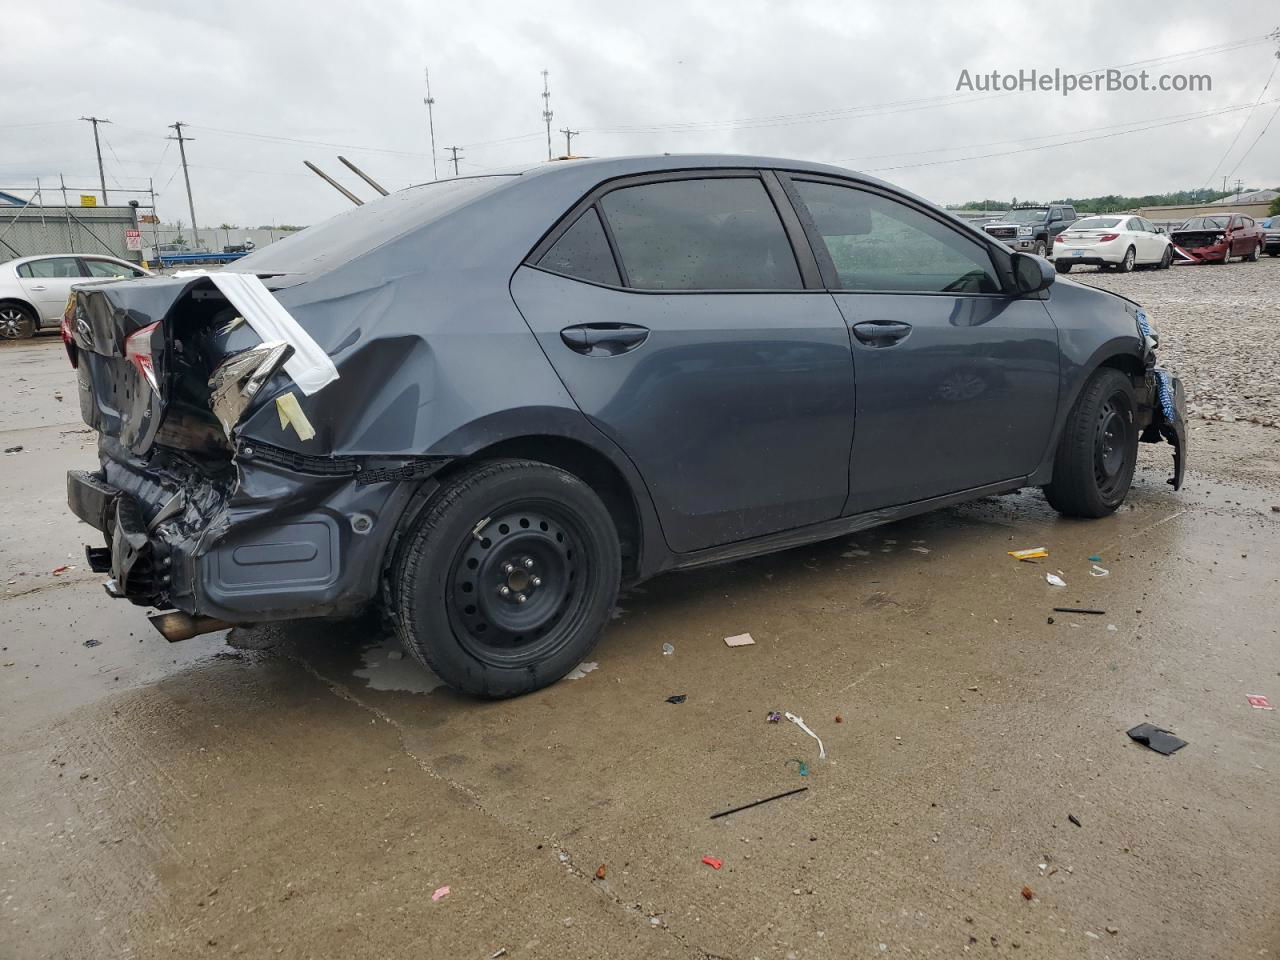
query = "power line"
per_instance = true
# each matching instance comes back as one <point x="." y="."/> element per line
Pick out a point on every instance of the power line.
<point x="1275" y="34"/>
<point x="1265" y="126"/>
<point x="1064" y="143"/>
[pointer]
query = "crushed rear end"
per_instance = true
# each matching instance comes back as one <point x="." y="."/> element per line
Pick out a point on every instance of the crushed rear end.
<point x="217" y="496"/>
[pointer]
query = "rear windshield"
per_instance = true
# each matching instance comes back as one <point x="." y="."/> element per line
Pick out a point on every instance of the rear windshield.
<point x="1094" y="223"/>
<point x="357" y="231"/>
<point x="1205" y="223"/>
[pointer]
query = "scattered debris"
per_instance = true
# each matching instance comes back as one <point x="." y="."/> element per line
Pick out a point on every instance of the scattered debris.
<point x="1096" y="558"/>
<point x="1079" y="610"/>
<point x="801" y="767"/>
<point x="600" y="872"/>
<point x="1091" y="935"/>
<point x="677" y="698"/>
<point x="1161" y="741"/>
<point x="668" y="649"/>
<point x="741" y="640"/>
<point x="756" y="803"/>
<point x="799" y="722"/>
<point x="1055" y="580"/>
<point x="839" y="719"/>
<point x="57" y="395"/>
<point x="1074" y="819"/>
<point x="59" y="571"/>
<point x="17" y="449"/>
<point x="921" y="549"/>
<point x="1027" y="893"/>
<point x="1112" y="930"/>
<point x="774" y="716"/>
<point x="291" y="415"/>
<point x="91" y="642"/>
<point x="1258" y="701"/>
<point x="1097" y="571"/>
<point x="440" y="894"/>
<point x="713" y="863"/>
<point x="1112" y="627"/>
<point x="500" y="952"/>
<point x="581" y="670"/>
<point x="1030" y="553"/>
<point x="1051" y="619"/>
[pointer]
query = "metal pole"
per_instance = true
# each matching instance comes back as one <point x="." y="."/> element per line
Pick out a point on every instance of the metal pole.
<point x="40" y="201"/>
<point x="546" y="110"/>
<point x="102" y="176"/>
<point x="568" y="140"/>
<point x="333" y="183"/>
<point x="66" y="208"/>
<point x="182" y="151"/>
<point x="155" y="219"/>
<point x="430" y="101"/>
<point x="455" y="158"/>
<point x="363" y="176"/>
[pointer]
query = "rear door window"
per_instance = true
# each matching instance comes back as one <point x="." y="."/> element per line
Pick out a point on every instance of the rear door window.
<point x="583" y="252"/>
<point x="879" y="244"/>
<point x="701" y="234"/>
<point x="51" y="268"/>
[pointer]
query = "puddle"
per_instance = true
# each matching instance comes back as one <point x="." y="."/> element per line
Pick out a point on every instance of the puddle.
<point x="388" y="667"/>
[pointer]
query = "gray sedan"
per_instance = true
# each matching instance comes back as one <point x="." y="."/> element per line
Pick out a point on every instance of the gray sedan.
<point x="483" y="403"/>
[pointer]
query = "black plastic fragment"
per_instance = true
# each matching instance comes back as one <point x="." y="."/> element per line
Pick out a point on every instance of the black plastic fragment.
<point x="677" y="698"/>
<point x="1074" y="819"/>
<point x="1161" y="741"/>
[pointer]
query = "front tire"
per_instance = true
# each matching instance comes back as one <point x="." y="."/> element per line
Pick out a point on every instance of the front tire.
<point x="16" y="322"/>
<point x="1094" y="463"/>
<point x="507" y="579"/>
<point x="1040" y="249"/>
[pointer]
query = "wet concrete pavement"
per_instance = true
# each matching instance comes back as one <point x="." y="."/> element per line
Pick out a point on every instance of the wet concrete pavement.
<point x="300" y="790"/>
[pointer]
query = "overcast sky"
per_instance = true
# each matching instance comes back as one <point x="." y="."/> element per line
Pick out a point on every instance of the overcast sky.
<point x="871" y="85"/>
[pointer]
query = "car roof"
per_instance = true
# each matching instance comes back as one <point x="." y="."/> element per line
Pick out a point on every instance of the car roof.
<point x="17" y="261"/>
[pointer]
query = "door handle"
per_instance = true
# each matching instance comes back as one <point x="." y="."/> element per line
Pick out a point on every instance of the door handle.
<point x="881" y="333"/>
<point x="37" y="287"/>
<point x="603" y="339"/>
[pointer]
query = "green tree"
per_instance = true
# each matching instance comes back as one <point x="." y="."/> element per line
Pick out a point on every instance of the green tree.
<point x="1274" y="209"/>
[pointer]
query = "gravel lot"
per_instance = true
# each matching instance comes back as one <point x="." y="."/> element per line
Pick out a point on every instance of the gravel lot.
<point x="1218" y="327"/>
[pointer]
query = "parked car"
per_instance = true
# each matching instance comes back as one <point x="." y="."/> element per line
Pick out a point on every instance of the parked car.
<point x="1219" y="237"/>
<point x="34" y="290"/>
<point x="1119" y="242"/>
<point x="1033" y="229"/>
<point x="588" y="372"/>
<point x="1271" y="236"/>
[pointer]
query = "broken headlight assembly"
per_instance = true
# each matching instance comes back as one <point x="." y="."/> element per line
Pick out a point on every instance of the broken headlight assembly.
<point x="239" y="378"/>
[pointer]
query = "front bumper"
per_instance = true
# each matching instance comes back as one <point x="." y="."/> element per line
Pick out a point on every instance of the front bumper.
<point x="1167" y="402"/>
<point x="1018" y="243"/>
<point x="1271" y="244"/>
<point x="273" y="544"/>
<point x="1219" y="251"/>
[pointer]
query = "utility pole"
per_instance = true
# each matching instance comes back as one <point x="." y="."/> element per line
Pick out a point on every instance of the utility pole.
<point x="1239" y="184"/>
<point x="546" y="110"/>
<point x="1224" y="184"/>
<point x="182" y="150"/>
<point x="430" y="101"/>
<point x="455" y="158"/>
<point x="102" y="177"/>
<point x="568" y="140"/>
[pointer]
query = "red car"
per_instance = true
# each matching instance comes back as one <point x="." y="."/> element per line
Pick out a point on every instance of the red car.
<point x="1218" y="237"/>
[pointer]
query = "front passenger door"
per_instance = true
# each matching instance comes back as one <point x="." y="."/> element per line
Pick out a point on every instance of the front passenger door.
<point x="957" y="381"/>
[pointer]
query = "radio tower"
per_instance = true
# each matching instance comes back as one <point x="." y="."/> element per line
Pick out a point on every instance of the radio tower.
<point x="546" y="110"/>
<point x="430" y="101"/>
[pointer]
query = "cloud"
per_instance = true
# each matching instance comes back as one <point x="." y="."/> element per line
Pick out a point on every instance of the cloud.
<point x="251" y="79"/>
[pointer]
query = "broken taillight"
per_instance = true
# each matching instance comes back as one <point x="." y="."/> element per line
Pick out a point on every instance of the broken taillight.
<point x="137" y="348"/>
<point x="68" y="340"/>
<point x="237" y="380"/>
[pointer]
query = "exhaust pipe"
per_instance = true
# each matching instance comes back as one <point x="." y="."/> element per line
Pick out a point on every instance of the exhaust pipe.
<point x="176" y="625"/>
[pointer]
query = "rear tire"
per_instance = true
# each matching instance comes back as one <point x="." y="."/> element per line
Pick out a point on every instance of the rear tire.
<point x="16" y="322"/>
<point x="1094" y="463"/>
<point x="1064" y="266"/>
<point x="500" y="531"/>
<point x="1253" y="254"/>
<point x="1130" y="258"/>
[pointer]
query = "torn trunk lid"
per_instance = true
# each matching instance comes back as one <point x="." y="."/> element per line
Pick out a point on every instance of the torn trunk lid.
<point x="144" y="352"/>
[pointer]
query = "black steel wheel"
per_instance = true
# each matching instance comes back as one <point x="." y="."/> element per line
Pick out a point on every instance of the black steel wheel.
<point x="16" y="322"/>
<point x="507" y="578"/>
<point x="1096" y="455"/>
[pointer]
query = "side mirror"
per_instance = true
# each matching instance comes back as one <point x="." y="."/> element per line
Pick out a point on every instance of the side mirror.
<point x="1159" y="229"/>
<point x="1031" y="274"/>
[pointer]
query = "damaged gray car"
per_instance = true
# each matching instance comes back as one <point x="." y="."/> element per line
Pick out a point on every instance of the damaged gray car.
<point x="482" y="404"/>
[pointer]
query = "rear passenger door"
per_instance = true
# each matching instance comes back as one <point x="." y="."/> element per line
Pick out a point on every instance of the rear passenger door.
<point x="47" y="284"/>
<point x="957" y="379"/>
<point x="680" y="317"/>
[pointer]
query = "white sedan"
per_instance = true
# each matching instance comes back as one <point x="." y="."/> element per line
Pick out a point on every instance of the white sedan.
<point x="1121" y="242"/>
<point x="34" y="290"/>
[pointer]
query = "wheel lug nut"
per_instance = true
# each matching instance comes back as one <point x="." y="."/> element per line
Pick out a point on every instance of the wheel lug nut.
<point x="504" y="591"/>
<point x="536" y="581"/>
<point x="528" y="563"/>
<point x="507" y="568"/>
<point x="521" y="598"/>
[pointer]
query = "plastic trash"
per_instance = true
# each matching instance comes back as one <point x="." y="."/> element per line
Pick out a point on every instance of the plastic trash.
<point x="1258" y="701"/>
<point x="802" y="768"/>
<point x="713" y="863"/>
<point x="1161" y="741"/>
<point x="440" y="894"/>
<point x="799" y="722"/>
<point x="1055" y="580"/>
<point x="1097" y="571"/>
<point x="1030" y="553"/>
<point x="668" y="649"/>
<point x="1095" y="559"/>
<point x="581" y="670"/>
<point x="756" y="803"/>
<point x="677" y="698"/>
<point x="774" y="716"/>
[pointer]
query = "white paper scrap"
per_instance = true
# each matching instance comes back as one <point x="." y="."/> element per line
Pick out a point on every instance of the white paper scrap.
<point x="741" y="640"/>
<point x="799" y="722"/>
